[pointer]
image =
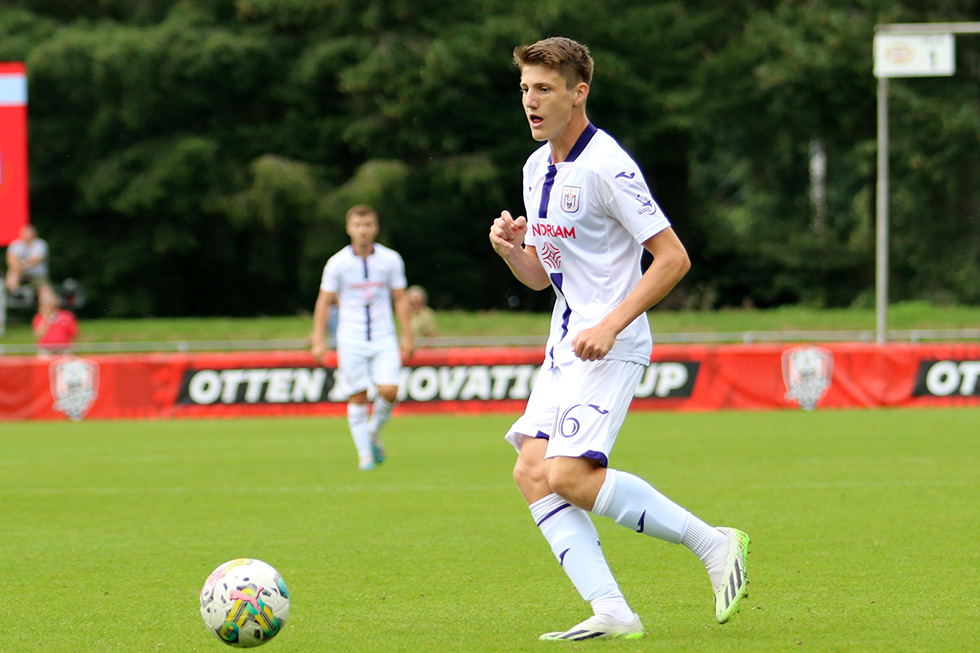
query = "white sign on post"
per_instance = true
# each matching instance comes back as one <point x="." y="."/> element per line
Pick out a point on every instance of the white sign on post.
<point x="914" y="55"/>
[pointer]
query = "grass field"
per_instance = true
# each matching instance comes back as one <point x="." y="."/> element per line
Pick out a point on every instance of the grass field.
<point x="908" y="315"/>
<point x="864" y="527"/>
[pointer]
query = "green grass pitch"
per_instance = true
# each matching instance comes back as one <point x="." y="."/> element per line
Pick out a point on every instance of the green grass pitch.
<point x="865" y="530"/>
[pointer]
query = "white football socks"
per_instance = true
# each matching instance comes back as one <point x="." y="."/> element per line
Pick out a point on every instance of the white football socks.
<point x="575" y="543"/>
<point x="632" y="502"/>
<point x="381" y="411"/>
<point x="703" y="540"/>
<point x="357" y="420"/>
<point x="710" y="543"/>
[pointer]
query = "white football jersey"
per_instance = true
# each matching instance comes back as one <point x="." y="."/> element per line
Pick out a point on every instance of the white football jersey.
<point x="363" y="287"/>
<point x="587" y="218"/>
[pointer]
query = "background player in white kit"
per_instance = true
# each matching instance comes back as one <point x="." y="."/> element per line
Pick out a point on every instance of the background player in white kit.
<point x="366" y="279"/>
<point x="590" y="214"/>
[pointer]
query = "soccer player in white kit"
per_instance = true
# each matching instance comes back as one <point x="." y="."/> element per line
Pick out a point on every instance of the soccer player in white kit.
<point x="366" y="279"/>
<point x="590" y="214"/>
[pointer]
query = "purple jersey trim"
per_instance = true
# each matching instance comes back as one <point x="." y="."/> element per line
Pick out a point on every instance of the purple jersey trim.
<point x="582" y="141"/>
<point x="597" y="456"/>
<point x="549" y="180"/>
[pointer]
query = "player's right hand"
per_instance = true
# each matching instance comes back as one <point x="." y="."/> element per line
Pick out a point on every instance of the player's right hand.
<point x="507" y="234"/>
<point x="318" y="350"/>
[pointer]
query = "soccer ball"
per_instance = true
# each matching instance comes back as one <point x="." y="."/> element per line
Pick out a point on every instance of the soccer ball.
<point x="245" y="602"/>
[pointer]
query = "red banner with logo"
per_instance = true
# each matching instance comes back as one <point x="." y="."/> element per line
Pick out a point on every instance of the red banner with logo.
<point x="13" y="151"/>
<point x="476" y="380"/>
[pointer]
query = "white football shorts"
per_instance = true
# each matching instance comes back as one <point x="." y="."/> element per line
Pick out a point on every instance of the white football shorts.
<point x="578" y="407"/>
<point x="362" y="365"/>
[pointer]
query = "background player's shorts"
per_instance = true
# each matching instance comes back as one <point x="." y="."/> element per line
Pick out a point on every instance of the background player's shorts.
<point x="362" y="365"/>
<point x="36" y="280"/>
<point x="578" y="407"/>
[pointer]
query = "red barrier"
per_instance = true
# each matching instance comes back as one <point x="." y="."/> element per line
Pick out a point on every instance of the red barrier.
<point x="480" y="380"/>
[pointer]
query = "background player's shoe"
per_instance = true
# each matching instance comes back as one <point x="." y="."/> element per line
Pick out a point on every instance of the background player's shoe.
<point x="599" y="626"/>
<point x="378" y="452"/>
<point x="732" y="586"/>
<point x="366" y="464"/>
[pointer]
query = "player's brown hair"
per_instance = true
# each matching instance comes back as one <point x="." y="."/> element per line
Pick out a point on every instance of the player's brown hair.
<point x="359" y="210"/>
<point x="570" y="58"/>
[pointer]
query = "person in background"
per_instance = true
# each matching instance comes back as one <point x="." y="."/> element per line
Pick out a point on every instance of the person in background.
<point x="367" y="282"/>
<point x="423" y="318"/>
<point x="55" y="328"/>
<point x="27" y="262"/>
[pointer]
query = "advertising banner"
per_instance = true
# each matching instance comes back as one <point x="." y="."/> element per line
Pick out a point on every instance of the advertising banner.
<point x="13" y="151"/>
<point x="479" y="380"/>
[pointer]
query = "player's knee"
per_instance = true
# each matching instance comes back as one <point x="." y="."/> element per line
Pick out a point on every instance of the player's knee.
<point x="528" y="475"/>
<point x="388" y="392"/>
<point x="562" y="483"/>
<point x="571" y="481"/>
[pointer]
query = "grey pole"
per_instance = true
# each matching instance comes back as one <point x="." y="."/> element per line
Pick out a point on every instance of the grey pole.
<point x="881" y="273"/>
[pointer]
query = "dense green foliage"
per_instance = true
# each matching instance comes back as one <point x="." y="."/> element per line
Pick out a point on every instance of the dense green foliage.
<point x="111" y="527"/>
<point x="196" y="157"/>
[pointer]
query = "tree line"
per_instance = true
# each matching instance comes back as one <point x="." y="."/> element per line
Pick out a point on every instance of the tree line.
<point x="196" y="157"/>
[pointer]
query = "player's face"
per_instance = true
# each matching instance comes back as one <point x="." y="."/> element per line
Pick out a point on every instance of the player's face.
<point x="548" y="102"/>
<point x="362" y="229"/>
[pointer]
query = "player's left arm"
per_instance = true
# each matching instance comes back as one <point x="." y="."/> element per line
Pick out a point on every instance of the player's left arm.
<point x="321" y="315"/>
<point x="670" y="264"/>
<point x="399" y="300"/>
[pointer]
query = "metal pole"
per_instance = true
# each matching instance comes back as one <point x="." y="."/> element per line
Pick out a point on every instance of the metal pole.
<point x="881" y="273"/>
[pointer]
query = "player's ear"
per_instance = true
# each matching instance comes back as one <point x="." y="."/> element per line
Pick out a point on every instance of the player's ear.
<point x="581" y="94"/>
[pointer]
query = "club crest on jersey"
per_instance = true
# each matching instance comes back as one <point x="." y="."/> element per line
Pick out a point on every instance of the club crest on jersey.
<point x="807" y="372"/>
<point x="569" y="198"/>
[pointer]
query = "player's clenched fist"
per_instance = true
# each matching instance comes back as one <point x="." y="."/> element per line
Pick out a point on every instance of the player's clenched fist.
<point x="506" y="233"/>
<point x="594" y="343"/>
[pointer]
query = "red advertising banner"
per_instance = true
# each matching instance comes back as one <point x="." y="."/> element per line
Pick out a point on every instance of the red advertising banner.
<point x="478" y="380"/>
<point x="13" y="151"/>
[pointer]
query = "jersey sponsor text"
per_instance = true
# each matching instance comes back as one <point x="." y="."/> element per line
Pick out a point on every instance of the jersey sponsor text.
<point x="552" y="230"/>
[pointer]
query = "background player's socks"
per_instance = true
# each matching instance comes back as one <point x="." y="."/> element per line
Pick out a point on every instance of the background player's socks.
<point x="357" y="420"/>
<point x="380" y="413"/>
<point x="575" y="543"/>
<point x="632" y="502"/>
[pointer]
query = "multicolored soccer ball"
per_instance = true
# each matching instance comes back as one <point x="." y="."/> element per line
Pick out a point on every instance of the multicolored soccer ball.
<point x="245" y="602"/>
